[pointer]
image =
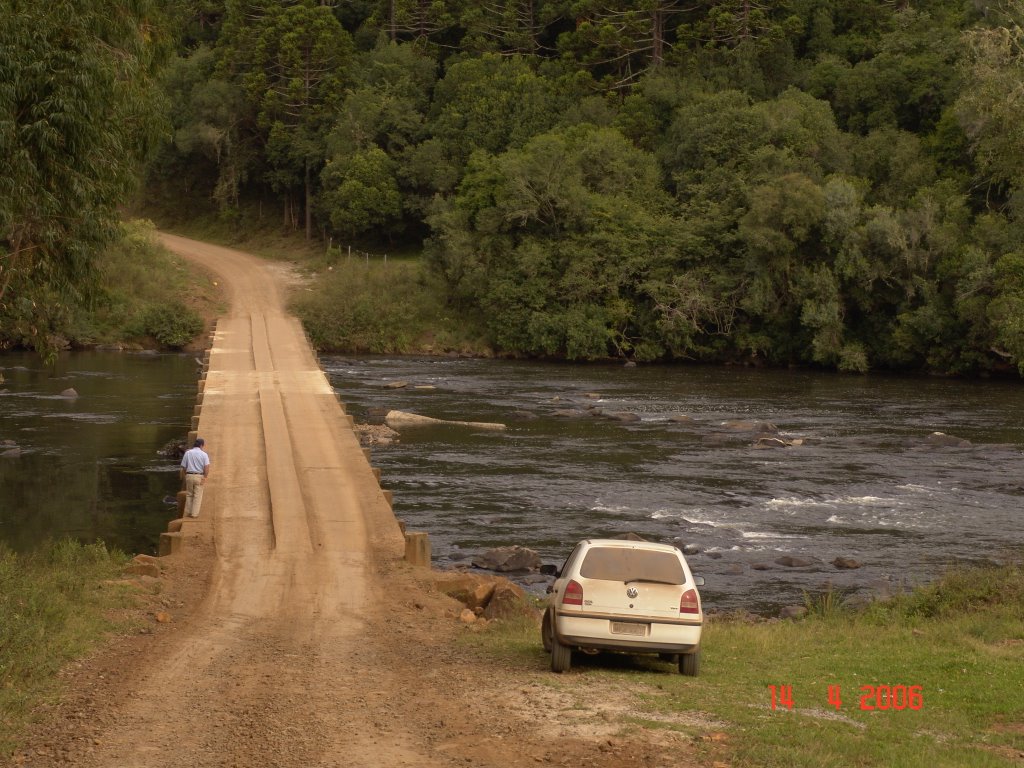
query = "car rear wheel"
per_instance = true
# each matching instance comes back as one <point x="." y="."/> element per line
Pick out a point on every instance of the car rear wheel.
<point x="689" y="664"/>
<point x="561" y="655"/>
<point x="545" y="632"/>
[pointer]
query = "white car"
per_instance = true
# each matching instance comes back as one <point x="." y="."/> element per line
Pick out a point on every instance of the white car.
<point x="626" y="596"/>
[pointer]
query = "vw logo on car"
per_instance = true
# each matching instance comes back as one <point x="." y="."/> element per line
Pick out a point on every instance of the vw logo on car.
<point x="632" y="592"/>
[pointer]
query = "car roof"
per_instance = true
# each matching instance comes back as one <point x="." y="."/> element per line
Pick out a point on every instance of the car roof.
<point x="632" y="544"/>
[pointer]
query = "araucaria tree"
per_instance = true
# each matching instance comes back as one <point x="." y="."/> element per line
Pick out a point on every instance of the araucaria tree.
<point x="291" y="59"/>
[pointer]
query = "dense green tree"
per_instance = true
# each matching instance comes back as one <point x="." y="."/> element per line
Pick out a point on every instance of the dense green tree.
<point x="991" y="106"/>
<point x="552" y="244"/>
<point x="621" y="41"/>
<point x="387" y="109"/>
<point x="825" y="182"/>
<point x="294" y="72"/>
<point x="906" y="83"/>
<point x="78" y="111"/>
<point x="212" y="151"/>
<point x="361" y="192"/>
<point x="490" y="103"/>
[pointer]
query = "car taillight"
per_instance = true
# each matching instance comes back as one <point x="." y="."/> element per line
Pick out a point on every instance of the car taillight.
<point x="689" y="602"/>
<point x="573" y="594"/>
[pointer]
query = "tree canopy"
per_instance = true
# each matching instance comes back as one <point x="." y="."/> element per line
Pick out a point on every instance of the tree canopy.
<point x="78" y="111"/>
<point x="800" y="182"/>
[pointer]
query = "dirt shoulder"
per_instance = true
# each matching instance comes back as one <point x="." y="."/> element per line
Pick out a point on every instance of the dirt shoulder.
<point x="290" y="633"/>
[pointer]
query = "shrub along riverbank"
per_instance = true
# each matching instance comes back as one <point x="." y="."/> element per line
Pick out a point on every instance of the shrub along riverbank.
<point x="140" y="296"/>
<point x="55" y="605"/>
<point x="932" y="678"/>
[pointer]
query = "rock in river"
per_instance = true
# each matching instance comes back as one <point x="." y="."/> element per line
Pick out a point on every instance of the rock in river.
<point x="943" y="440"/>
<point x="846" y="562"/>
<point x="400" y="420"/>
<point x="506" y="559"/>
<point x="791" y="561"/>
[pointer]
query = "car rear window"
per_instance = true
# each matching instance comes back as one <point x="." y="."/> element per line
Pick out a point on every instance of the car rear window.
<point x="621" y="564"/>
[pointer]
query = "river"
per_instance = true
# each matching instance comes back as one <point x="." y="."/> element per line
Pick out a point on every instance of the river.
<point x="865" y="483"/>
<point x="89" y="467"/>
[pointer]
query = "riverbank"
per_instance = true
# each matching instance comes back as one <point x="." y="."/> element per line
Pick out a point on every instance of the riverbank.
<point x="928" y="679"/>
<point x="143" y="298"/>
<point x="55" y="606"/>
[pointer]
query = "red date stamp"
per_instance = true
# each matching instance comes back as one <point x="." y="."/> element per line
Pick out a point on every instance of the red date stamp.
<point x="872" y="697"/>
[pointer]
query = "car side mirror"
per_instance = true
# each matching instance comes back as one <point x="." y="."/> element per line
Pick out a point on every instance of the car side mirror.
<point x="698" y="580"/>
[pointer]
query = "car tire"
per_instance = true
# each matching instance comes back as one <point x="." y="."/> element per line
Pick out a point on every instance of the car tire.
<point x="545" y="632"/>
<point x="689" y="664"/>
<point x="561" y="656"/>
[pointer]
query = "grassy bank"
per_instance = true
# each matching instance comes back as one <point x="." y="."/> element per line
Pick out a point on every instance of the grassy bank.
<point x="141" y="296"/>
<point x="961" y="640"/>
<point x="55" y="605"/>
<point x="359" y="304"/>
<point x="146" y="296"/>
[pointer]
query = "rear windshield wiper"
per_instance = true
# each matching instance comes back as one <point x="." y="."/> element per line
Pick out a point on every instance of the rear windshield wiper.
<point x="649" y="581"/>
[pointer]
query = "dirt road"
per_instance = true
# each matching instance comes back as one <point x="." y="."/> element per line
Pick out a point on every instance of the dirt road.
<point x="298" y="636"/>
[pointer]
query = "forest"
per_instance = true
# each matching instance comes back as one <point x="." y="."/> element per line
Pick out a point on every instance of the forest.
<point x="831" y="183"/>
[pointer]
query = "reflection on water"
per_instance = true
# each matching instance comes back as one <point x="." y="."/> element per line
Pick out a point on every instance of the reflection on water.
<point x="88" y="466"/>
<point x="866" y="483"/>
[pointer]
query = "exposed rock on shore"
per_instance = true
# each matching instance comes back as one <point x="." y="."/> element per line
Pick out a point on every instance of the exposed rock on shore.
<point x="506" y="559"/>
<point x="490" y="597"/>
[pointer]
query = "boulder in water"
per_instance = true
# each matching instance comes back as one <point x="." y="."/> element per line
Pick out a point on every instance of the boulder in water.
<point x="847" y="563"/>
<point x="69" y="393"/>
<point x="791" y="561"/>
<point x="623" y="416"/>
<point x="505" y="559"/>
<point x="572" y="413"/>
<point x="760" y="427"/>
<point x="630" y="536"/>
<point x="942" y="440"/>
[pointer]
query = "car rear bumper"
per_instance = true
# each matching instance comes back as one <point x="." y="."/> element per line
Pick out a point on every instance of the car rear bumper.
<point x="586" y="632"/>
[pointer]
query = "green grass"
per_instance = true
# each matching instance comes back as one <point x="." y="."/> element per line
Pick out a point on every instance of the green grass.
<point x="960" y="639"/>
<point x="146" y="295"/>
<point x="55" y="605"/>
<point x="382" y="307"/>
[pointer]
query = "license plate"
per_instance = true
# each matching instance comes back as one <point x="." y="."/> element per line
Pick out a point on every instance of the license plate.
<point x="628" y="628"/>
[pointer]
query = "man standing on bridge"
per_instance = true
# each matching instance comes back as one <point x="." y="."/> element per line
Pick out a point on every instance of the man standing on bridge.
<point x="196" y="466"/>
